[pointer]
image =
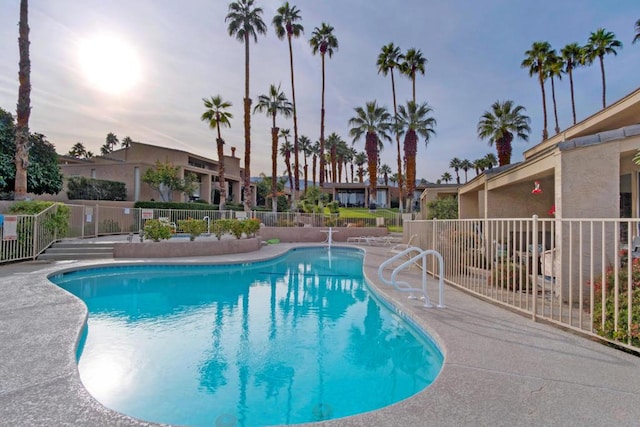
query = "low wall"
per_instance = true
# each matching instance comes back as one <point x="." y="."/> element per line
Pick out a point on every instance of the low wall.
<point x="172" y="249"/>
<point x="319" y="234"/>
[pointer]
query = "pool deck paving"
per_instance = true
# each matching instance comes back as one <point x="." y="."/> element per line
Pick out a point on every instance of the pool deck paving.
<point x="500" y="369"/>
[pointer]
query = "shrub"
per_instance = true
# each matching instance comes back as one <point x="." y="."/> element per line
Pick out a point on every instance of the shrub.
<point x="251" y="226"/>
<point x="236" y="227"/>
<point x="175" y="205"/>
<point x="507" y="275"/>
<point x="622" y="332"/>
<point x="221" y="227"/>
<point x="109" y="226"/>
<point x="55" y="222"/>
<point x="194" y="227"/>
<point x="334" y="207"/>
<point x="155" y="230"/>
<point x="79" y="187"/>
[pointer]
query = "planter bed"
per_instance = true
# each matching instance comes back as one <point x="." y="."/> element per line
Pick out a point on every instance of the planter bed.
<point x="183" y="247"/>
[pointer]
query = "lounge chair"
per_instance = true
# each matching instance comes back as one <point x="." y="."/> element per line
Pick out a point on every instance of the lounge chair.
<point x="396" y="249"/>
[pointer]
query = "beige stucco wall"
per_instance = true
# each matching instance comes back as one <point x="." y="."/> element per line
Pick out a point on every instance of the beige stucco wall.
<point x="518" y="201"/>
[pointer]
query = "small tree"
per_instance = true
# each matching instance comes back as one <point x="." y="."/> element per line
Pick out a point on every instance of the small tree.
<point x="444" y="208"/>
<point x="165" y="179"/>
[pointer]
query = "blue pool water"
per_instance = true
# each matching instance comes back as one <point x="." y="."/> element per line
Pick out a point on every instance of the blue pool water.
<point x="292" y="340"/>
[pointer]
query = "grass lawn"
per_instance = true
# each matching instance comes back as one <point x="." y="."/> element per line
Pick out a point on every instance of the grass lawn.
<point x="363" y="212"/>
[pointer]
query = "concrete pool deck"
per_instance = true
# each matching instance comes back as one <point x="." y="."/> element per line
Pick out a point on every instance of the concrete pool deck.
<point x="501" y="369"/>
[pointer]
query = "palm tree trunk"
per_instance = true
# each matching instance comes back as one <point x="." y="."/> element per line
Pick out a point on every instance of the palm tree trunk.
<point x="410" y="150"/>
<point x="604" y="84"/>
<point x="222" y="182"/>
<point x="371" y="147"/>
<point x="395" y="113"/>
<point x="545" y="134"/>
<point x="555" y="110"/>
<point x="287" y="160"/>
<point x="247" y="128"/>
<point x="295" y="129"/>
<point x="24" y="106"/>
<point x="321" y="133"/>
<point x="274" y="168"/>
<point x="503" y="146"/>
<point x="573" y="102"/>
<point x="313" y="168"/>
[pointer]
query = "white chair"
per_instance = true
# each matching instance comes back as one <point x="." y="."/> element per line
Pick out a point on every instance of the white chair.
<point x="396" y="249"/>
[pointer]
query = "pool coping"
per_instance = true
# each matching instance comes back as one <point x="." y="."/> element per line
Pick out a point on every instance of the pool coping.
<point x="500" y="368"/>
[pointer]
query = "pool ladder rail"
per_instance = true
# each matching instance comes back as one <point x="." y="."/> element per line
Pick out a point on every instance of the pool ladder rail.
<point x="403" y="286"/>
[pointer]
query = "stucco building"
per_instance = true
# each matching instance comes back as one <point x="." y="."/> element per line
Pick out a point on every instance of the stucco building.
<point x="128" y="165"/>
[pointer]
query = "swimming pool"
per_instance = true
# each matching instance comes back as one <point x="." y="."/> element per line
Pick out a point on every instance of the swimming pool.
<point x="291" y="340"/>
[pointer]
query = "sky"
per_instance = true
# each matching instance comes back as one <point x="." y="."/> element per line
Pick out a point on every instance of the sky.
<point x="169" y="55"/>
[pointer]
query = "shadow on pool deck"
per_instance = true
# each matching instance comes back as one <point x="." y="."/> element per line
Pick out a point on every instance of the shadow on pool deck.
<point x="501" y="369"/>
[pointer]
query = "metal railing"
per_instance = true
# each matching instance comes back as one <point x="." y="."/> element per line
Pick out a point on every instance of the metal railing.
<point x="578" y="273"/>
<point x="32" y="235"/>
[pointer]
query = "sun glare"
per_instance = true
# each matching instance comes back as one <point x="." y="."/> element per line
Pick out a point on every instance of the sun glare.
<point x="109" y="64"/>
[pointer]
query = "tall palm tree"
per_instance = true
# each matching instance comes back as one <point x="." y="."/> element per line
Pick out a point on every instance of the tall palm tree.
<point x="305" y="148"/>
<point x="245" y="21"/>
<point x="342" y="152"/>
<point x="414" y="120"/>
<point x="601" y="43"/>
<point x="554" y="67"/>
<point x="465" y="165"/>
<point x="500" y="123"/>
<point x="285" y="151"/>
<point x="324" y="41"/>
<point x="351" y="157"/>
<point x="446" y="177"/>
<point x="374" y="122"/>
<point x="637" y="36"/>
<point x="332" y="148"/>
<point x="413" y="63"/>
<point x="360" y="160"/>
<point x="315" y="152"/>
<point x="272" y="104"/>
<point x="385" y="170"/>
<point x="286" y="24"/>
<point x="78" y="151"/>
<point x="24" y="105"/>
<point x="535" y="62"/>
<point x="455" y="165"/>
<point x="217" y="117"/>
<point x="389" y="58"/>
<point x="573" y="58"/>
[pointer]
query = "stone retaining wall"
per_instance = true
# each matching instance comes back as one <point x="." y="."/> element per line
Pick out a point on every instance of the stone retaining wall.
<point x="172" y="249"/>
<point x="316" y="234"/>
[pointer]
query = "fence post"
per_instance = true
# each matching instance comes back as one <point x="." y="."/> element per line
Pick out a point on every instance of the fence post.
<point x="35" y="236"/>
<point x="534" y="274"/>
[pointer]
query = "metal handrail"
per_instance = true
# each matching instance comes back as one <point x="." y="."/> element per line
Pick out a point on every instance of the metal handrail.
<point x="403" y="286"/>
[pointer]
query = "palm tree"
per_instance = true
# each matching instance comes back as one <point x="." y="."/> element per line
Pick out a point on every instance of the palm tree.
<point x="271" y="104"/>
<point x="455" y="165"/>
<point x="535" y="62"/>
<point x="126" y="142"/>
<point x="637" y="36"/>
<point x="305" y="149"/>
<point x="245" y="21"/>
<point x="374" y="122"/>
<point x="332" y="147"/>
<point x="24" y="105"/>
<point x="414" y="120"/>
<point x="78" y="151"/>
<point x="491" y="160"/>
<point x="385" y="170"/>
<point x="446" y="177"/>
<point x="351" y="157"/>
<point x="217" y="117"/>
<point x="573" y="58"/>
<point x="554" y="65"/>
<point x="360" y="160"/>
<point x="315" y="151"/>
<point x="388" y="59"/>
<point x="342" y="151"/>
<point x="285" y="151"/>
<point x="500" y="123"/>
<point x="465" y="165"/>
<point x="601" y="43"/>
<point x="285" y="24"/>
<point x="323" y="41"/>
<point x="413" y="63"/>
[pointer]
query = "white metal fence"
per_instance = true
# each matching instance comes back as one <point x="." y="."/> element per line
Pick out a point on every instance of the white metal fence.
<point x="578" y="273"/>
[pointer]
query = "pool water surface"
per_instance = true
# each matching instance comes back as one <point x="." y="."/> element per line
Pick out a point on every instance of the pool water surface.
<point x="296" y="339"/>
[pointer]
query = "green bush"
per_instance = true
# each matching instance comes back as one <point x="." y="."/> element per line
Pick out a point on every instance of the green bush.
<point x="237" y="227"/>
<point x="443" y="208"/>
<point x="334" y="207"/>
<point x="155" y="230"/>
<point x="81" y="188"/>
<point x="55" y="222"/>
<point x="194" y="227"/>
<point x="251" y="226"/>
<point x="175" y="205"/>
<point x="622" y="332"/>
<point x="109" y="226"/>
<point x="506" y="274"/>
<point x="221" y="227"/>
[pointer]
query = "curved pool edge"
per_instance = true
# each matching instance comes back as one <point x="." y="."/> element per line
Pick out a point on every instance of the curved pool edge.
<point x="500" y="368"/>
